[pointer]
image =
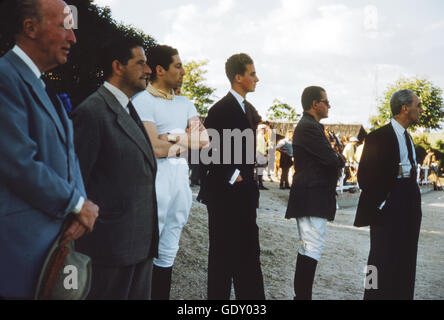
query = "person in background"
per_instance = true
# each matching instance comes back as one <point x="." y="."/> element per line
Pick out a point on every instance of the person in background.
<point x="261" y="155"/>
<point x="285" y="148"/>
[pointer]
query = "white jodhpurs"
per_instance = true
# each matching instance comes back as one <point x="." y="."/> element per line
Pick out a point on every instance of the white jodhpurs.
<point x="174" y="200"/>
<point x="312" y="236"/>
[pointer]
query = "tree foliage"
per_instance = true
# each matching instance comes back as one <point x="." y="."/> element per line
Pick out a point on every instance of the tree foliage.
<point x="83" y="73"/>
<point x="193" y="86"/>
<point x="282" y="111"/>
<point x="429" y="94"/>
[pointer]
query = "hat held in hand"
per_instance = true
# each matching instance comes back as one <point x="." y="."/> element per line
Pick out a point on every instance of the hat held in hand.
<point x="66" y="274"/>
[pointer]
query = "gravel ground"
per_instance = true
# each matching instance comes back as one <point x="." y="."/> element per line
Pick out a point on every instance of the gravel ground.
<point x="340" y="273"/>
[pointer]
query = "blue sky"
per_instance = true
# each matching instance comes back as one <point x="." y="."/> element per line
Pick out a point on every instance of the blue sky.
<point x="353" y="49"/>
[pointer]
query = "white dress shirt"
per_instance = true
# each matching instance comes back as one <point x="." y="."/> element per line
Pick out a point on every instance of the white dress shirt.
<point x="118" y="94"/>
<point x="240" y="100"/>
<point x="405" y="165"/>
<point x="28" y="61"/>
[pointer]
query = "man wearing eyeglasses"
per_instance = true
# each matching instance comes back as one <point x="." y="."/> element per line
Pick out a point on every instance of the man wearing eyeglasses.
<point x="313" y="193"/>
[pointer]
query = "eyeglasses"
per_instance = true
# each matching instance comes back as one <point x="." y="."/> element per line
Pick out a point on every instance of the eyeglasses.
<point x="326" y="102"/>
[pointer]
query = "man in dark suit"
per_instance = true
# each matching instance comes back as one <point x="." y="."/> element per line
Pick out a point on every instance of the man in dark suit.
<point x="119" y="169"/>
<point x="390" y="202"/>
<point x="230" y="191"/>
<point x="40" y="180"/>
<point x="313" y="192"/>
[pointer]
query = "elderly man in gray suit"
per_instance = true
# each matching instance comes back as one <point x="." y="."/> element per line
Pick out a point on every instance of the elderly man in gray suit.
<point x="40" y="180"/>
<point x="119" y="168"/>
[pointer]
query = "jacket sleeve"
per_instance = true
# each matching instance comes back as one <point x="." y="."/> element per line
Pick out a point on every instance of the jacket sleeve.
<point x="371" y="164"/>
<point x="87" y="138"/>
<point x="312" y="139"/>
<point x="31" y="180"/>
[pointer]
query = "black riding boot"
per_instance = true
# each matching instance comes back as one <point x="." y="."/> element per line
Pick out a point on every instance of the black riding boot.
<point x="161" y="283"/>
<point x="304" y="277"/>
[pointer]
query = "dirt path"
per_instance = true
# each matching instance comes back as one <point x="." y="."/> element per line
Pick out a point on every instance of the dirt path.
<point x="340" y="271"/>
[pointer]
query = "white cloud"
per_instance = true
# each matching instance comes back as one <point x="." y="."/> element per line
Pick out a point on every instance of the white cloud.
<point x="352" y="49"/>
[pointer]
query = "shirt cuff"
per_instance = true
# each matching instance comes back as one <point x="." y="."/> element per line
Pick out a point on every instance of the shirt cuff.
<point x="79" y="205"/>
<point x="234" y="176"/>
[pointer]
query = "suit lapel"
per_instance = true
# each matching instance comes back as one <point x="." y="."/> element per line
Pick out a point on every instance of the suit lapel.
<point x="37" y="89"/>
<point x="129" y="126"/>
<point x="394" y="143"/>
<point x="238" y="113"/>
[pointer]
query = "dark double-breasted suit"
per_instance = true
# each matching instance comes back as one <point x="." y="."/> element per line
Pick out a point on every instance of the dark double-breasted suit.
<point x="234" y="240"/>
<point x="119" y="169"/>
<point x="392" y="208"/>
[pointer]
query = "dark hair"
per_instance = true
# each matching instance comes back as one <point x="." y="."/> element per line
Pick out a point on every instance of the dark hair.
<point x="309" y="95"/>
<point x="161" y="55"/>
<point x="119" y="49"/>
<point x="237" y="64"/>
<point x="14" y="12"/>
<point x="400" y="98"/>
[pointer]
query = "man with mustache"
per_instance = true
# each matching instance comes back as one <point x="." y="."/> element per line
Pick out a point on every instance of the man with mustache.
<point x="40" y="180"/>
<point x="167" y="118"/>
<point x="119" y="170"/>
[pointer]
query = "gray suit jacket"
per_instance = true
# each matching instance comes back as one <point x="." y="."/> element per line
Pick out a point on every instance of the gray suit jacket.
<point x="119" y="169"/>
<point x="40" y="180"/>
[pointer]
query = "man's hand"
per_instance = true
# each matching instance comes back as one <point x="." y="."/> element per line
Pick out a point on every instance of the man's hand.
<point x="82" y="223"/>
<point x="88" y="215"/>
<point x="239" y="179"/>
<point x="74" y="231"/>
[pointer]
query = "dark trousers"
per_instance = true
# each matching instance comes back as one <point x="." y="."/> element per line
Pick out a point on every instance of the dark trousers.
<point x="394" y="244"/>
<point x="122" y="283"/>
<point x="284" y="177"/>
<point x="234" y="253"/>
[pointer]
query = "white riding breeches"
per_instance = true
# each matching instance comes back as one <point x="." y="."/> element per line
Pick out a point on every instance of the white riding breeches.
<point x="312" y="236"/>
<point x="174" y="201"/>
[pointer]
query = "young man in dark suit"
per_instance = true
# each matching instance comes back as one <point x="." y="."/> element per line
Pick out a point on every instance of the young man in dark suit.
<point x="230" y="191"/>
<point x="313" y="192"/>
<point x="119" y="169"/>
<point x="390" y="202"/>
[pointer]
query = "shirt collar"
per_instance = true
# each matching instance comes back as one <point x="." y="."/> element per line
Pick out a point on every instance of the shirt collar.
<point x="239" y="99"/>
<point x="27" y="60"/>
<point x="397" y="127"/>
<point x="120" y="96"/>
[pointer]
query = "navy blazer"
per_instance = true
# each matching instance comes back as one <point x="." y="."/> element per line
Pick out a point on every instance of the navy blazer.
<point x="40" y="179"/>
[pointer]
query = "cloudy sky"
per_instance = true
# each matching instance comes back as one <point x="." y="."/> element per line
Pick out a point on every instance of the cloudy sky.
<point x="353" y="49"/>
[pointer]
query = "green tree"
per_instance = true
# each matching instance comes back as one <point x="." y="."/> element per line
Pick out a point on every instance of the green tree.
<point x="83" y="74"/>
<point x="282" y="111"/>
<point x="193" y="86"/>
<point x="429" y="94"/>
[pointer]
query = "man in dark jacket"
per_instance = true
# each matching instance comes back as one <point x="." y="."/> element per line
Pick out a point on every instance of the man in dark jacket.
<point x="312" y="196"/>
<point x="230" y="191"/>
<point x="390" y="202"/>
<point x="119" y="169"/>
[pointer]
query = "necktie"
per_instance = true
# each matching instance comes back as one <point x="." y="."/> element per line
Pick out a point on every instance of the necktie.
<point x="135" y="116"/>
<point x="409" y="148"/>
<point x="51" y="92"/>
